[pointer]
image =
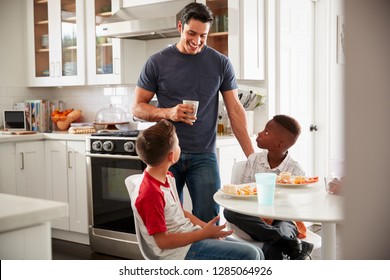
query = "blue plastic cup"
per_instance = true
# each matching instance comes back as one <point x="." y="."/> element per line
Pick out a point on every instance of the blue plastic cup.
<point x="265" y="183"/>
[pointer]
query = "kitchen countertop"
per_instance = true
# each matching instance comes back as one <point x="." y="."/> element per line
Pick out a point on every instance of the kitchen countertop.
<point x="21" y="212"/>
<point x="17" y="138"/>
<point x="64" y="135"/>
<point x="42" y="136"/>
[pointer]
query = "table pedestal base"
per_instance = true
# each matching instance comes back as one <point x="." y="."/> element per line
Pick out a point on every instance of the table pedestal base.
<point x="328" y="249"/>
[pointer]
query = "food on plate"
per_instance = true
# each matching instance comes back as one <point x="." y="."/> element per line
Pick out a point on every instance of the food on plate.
<point x="229" y="188"/>
<point x="300" y="180"/>
<point x="284" y="177"/>
<point x="239" y="189"/>
<point x="310" y="180"/>
<point x="297" y="180"/>
<point x="246" y="190"/>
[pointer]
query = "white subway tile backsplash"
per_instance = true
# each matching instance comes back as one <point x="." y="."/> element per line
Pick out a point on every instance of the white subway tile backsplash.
<point x="89" y="99"/>
<point x="109" y="91"/>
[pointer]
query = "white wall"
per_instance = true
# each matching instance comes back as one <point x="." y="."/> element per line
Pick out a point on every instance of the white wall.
<point x="367" y="222"/>
<point x="12" y="76"/>
<point x="12" y="46"/>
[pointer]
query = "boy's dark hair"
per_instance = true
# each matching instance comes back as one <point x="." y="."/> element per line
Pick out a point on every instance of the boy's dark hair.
<point x="196" y="11"/>
<point x="154" y="143"/>
<point x="288" y="123"/>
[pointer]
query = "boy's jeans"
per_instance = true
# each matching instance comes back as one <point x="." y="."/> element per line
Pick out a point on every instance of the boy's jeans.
<point x="215" y="249"/>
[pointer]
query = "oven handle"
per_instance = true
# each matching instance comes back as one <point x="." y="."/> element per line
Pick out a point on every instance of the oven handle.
<point x="111" y="156"/>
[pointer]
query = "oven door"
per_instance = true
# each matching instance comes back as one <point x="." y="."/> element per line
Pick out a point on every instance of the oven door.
<point x="110" y="207"/>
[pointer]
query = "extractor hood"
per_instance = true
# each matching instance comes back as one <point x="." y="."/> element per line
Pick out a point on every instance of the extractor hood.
<point x="157" y="19"/>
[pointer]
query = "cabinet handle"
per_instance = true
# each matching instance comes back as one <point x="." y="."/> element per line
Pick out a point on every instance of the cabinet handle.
<point x="52" y="70"/>
<point x="22" y="157"/>
<point x="69" y="153"/>
<point x="58" y="69"/>
<point x="116" y="66"/>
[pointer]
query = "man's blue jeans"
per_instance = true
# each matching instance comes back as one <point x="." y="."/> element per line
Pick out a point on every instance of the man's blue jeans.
<point x="215" y="249"/>
<point x="201" y="175"/>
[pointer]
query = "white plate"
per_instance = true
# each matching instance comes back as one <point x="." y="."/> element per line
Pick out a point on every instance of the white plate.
<point x="292" y="185"/>
<point x="252" y="185"/>
<point x="238" y="196"/>
<point x="243" y="195"/>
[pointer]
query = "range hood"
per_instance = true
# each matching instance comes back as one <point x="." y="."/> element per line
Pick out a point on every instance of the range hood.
<point x="153" y="20"/>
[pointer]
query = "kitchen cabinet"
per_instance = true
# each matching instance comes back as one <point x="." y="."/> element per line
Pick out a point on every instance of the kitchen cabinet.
<point x="219" y="31"/>
<point x="66" y="181"/>
<point x="55" y="42"/>
<point x="21" y="168"/>
<point x="59" y="33"/>
<point x="30" y="172"/>
<point x="7" y="168"/>
<point x="110" y="60"/>
<point x="238" y="32"/>
<point x="25" y="227"/>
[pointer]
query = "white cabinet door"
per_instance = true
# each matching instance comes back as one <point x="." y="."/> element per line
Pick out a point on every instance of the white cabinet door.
<point x="30" y="169"/>
<point x="247" y="38"/>
<point x="77" y="186"/>
<point x="66" y="181"/>
<point x="7" y="168"/>
<point x="55" y="42"/>
<point x="245" y="35"/>
<point x="57" y="177"/>
<point x="110" y="60"/>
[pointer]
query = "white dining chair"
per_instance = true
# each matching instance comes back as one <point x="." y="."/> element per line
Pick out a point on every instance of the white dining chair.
<point x="237" y="172"/>
<point x="132" y="183"/>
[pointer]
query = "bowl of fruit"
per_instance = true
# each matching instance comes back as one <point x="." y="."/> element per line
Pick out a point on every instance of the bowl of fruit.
<point x="63" y="119"/>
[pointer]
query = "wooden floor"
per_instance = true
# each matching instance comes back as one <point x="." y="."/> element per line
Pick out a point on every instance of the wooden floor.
<point x="64" y="250"/>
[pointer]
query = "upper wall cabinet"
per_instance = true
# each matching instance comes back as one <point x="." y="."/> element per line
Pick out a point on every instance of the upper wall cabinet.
<point x="55" y="42"/>
<point x="238" y="32"/>
<point x="110" y="60"/>
<point x="65" y="46"/>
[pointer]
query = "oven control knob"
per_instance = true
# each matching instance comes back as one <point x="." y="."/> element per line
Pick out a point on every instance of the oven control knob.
<point x="97" y="146"/>
<point x="129" y="147"/>
<point x="108" y="146"/>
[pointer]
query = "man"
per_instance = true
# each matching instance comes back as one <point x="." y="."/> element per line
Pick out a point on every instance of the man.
<point x="190" y="70"/>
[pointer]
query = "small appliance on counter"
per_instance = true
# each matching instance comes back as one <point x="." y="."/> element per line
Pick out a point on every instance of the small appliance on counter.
<point x="15" y="120"/>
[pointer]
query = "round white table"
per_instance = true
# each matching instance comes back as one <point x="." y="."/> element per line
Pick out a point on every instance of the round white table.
<point x="309" y="203"/>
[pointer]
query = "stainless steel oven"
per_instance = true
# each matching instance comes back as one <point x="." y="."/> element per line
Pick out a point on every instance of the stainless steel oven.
<point x="111" y="158"/>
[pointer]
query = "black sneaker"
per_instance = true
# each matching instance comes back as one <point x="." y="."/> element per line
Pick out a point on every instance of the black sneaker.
<point x="302" y="254"/>
<point x="289" y="249"/>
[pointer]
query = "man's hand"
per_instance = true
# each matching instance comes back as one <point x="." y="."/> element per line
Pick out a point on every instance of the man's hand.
<point x="182" y="113"/>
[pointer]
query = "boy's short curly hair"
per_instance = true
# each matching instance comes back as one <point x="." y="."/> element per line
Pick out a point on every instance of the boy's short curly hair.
<point x="154" y="143"/>
<point x="288" y="123"/>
